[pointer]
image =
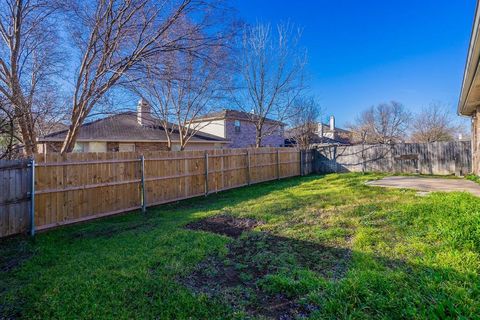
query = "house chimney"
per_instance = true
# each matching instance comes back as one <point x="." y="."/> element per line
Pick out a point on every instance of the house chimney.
<point x="332" y="123"/>
<point x="143" y="112"/>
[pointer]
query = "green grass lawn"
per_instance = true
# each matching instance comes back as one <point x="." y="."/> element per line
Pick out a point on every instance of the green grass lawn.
<point x="327" y="247"/>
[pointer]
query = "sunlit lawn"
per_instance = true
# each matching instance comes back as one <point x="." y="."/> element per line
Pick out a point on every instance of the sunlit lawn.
<point x="329" y="244"/>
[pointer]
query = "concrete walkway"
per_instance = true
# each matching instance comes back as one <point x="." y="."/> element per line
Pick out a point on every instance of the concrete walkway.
<point x="428" y="184"/>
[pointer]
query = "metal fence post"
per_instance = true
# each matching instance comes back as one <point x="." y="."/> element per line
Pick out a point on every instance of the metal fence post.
<point x="32" y="198"/>
<point x="248" y="167"/>
<point x="144" y="199"/>
<point x="206" y="173"/>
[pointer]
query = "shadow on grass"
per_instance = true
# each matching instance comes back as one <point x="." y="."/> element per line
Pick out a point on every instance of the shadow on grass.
<point x="264" y="274"/>
<point x="16" y="250"/>
<point x="283" y="278"/>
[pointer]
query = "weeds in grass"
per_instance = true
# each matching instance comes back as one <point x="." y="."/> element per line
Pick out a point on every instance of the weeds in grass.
<point x="328" y="247"/>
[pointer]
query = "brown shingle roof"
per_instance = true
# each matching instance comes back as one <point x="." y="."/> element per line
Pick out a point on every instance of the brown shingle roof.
<point x="124" y="127"/>
<point x="231" y="114"/>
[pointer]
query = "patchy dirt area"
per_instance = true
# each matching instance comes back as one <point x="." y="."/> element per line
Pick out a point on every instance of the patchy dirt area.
<point x="14" y="256"/>
<point x="111" y="231"/>
<point x="244" y="277"/>
<point x="224" y="224"/>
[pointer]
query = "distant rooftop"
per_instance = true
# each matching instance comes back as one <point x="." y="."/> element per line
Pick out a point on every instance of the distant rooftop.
<point x="125" y="127"/>
<point x="231" y="114"/>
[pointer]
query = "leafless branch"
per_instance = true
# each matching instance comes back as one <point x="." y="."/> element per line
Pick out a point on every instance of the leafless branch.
<point x="29" y="59"/>
<point x="385" y="123"/>
<point x="118" y="38"/>
<point x="271" y="76"/>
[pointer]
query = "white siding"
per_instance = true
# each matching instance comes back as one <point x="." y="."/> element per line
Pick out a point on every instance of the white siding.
<point x="215" y="127"/>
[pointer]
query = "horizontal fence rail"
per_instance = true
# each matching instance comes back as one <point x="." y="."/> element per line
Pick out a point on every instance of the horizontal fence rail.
<point x="82" y="186"/>
<point x="15" y="198"/>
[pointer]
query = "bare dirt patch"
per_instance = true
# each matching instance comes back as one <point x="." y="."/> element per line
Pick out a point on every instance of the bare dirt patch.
<point x="224" y="224"/>
<point x="14" y="255"/>
<point x="241" y="277"/>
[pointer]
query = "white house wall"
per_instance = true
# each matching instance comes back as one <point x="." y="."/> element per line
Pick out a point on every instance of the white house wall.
<point x="214" y="127"/>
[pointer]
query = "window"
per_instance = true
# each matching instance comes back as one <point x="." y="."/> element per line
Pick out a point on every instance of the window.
<point x="126" y="147"/>
<point x="237" y="125"/>
<point x="97" y="147"/>
<point x="80" y="147"/>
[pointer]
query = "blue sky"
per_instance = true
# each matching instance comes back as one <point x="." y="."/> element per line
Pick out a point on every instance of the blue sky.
<point x="366" y="52"/>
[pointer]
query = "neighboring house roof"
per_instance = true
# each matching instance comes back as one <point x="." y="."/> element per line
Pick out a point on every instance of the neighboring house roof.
<point x="317" y="140"/>
<point x="124" y="127"/>
<point x="45" y="128"/>
<point x="470" y="95"/>
<point x="232" y="114"/>
<point x="326" y="128"/>
<point x="340" y="136"/>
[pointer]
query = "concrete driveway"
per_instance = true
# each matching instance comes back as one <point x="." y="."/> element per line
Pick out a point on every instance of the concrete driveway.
<point x="428" y="184"/>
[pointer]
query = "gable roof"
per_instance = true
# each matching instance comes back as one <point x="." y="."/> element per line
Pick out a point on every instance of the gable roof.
<point x="124" y="127"/>
<point x="232" y="114"/>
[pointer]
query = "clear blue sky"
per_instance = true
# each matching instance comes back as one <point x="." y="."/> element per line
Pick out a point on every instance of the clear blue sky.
<point x="364" y="52"/>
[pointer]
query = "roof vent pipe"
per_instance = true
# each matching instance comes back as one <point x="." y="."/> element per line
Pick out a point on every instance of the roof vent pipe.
<point x="143" y="112"/>
<point x="332" y="123"/>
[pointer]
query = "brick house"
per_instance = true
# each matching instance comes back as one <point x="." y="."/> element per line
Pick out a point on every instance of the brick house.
<point x="469" y="104"/>
<point x="128" y="131"/>
<point x="238" y="128"/>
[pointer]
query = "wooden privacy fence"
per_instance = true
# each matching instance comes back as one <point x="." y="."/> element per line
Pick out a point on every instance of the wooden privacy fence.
<point x="441" y="158"/>
<point x="82" y="186"/>
<point x="15" y="187"/>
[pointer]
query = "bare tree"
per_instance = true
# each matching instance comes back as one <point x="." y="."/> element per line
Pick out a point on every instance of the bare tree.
<point x="115" y="37"/>
<point x="304" y="121"/>
<point x="271" y="75"/>
<point x="186" y="87"/>
<point x="435" y="123"/>
<point x="28" y="61"/>
<point x="385" y="123"/>
<point x="8" y="135"/>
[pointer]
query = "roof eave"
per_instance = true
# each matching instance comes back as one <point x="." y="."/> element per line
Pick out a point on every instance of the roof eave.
<point x="471" y="68"/>
<point x="40" y="140"/>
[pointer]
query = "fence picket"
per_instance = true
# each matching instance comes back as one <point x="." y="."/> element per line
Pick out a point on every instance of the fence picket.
<point x="79" y="187"/>
<point x="441" y="158"/>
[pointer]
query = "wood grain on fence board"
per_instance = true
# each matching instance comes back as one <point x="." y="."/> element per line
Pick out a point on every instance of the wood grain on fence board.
<point x="14" y="198"/>
<point x="441" y="158"/>
<point x="82" y="186"/>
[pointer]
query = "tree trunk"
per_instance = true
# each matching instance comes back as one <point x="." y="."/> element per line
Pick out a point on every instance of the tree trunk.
<point x="76" y="121"/>
<point x="169" y="143"/>
<point x="27" y="128"/>
<point x="70" y="139"/>
<point x="258" y="139"/>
